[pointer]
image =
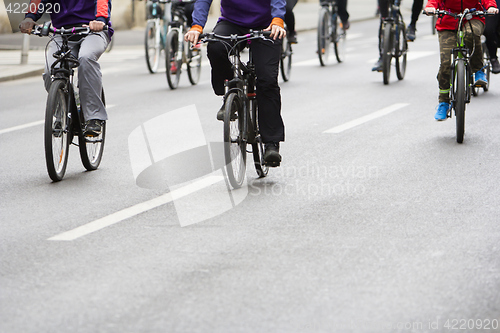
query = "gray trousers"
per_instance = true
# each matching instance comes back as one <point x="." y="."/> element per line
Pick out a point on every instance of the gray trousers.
<point x="88" y="51"/>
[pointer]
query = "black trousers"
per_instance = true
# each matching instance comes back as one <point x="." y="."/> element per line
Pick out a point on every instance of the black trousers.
<point x="492" y="33"/>
<point x="266" y="57"/>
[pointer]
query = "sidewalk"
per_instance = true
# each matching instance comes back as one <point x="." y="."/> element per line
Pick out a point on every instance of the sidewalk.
<point x="306" y="16"/>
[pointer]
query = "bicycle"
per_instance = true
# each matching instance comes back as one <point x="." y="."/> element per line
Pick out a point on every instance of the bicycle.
<point x="178" y="51"/>
<point x="286" y="58"/>
<point x="330" y="31"/>
<point x="156" y="31"/>
<point x="241" y="109"/>
<point x="461" y="73"/>
<point x="393" y="42"/>
<point x="63" y="115"/>
<point x="486" y="67"/>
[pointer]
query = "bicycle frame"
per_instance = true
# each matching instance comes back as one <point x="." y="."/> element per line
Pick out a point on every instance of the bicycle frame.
<point x="243" y="84"/>
<point x="461" y="53"/>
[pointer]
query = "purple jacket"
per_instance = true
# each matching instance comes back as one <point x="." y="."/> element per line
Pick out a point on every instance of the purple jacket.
<point x="71" y="12"/>
<point x="252" y="14"/>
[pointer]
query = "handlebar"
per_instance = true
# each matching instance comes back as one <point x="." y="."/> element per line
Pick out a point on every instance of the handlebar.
<point x="253" y="34"/>
<point x="44" y="30"/>
<point x="471" y="12"/>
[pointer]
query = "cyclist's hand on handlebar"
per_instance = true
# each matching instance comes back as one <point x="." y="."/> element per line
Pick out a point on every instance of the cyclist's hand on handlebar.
<point x="96" y="26"/>
<point x="276" y="31"/>
<point x="493" y="10"/>
<point x="429" y="10"/>
<point x="26" y="25"/>
<point x="192" y="36"/>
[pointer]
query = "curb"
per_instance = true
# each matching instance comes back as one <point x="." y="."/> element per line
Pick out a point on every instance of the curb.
<point x="23" y="75"/>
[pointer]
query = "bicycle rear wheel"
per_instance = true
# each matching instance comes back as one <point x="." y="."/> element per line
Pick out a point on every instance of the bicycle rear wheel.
<point x="193" y="65"/>
<point x="387" y="51"/>
<point x="173" y="59"/>
<point x="460" y="97"/>
<point x="234" y="146"/>
<point x="401" y="51"/>
<point x="324" y="35"/>
<point x="152" y="46"/>
<point x="286" y="59"/>
<point x="339" y="42"/>
<point x="91" y="148"/>
<point x="56" y="131"/>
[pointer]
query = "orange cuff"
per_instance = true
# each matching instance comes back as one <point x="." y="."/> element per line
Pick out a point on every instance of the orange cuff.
<point x="278" y="21"/>
<point x="196" y="27"/>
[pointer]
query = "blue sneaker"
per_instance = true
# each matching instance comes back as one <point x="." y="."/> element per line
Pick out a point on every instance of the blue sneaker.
<point x="442" y="111"/>
<point x="480" y="79"/>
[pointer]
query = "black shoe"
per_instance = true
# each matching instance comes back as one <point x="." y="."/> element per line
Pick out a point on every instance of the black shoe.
<point x="346" y="25"/>
<point x="411" y="33"/>
<point x="272" y="156"/>
<point x="93" y="127"/>
<point x="220" y="113"/>
<point x="495" y="66"/>
<point x="292" y="37"/>
<point x="378" y="65"/>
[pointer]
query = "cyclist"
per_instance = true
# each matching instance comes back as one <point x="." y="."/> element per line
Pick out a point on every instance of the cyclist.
<point x="290" y="21"/>
<point x="238" y="17"/>
<point x="72" y="13"/>
<point x="447" y="27"/>
<point x="416" y="8"/>
<point x="491" y="31"/>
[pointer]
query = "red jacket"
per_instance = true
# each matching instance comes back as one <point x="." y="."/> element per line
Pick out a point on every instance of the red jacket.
<point x="448" y="22"/>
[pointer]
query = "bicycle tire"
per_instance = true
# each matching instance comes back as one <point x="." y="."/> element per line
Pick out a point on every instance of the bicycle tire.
<point x="234" y="146"/>
<point x="460" y="99"/>
<point x="258" y="146"/>
<point x="193" y="65"/>
<point x="286" y="59"/>
<point x="339" y="44"/>
<point x="152" y="46"/>
<point x="173" y="62"/>
<point x="56" y="131"/>
<point x="91" y="149"/>
<point x="386" y="51"/>
<point x="401" y="51"/>
<point x="324" y="36"/>
<point x="487" y="66"/>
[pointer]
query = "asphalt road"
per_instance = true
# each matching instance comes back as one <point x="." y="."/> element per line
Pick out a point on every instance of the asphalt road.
<point x="387" y="225"/>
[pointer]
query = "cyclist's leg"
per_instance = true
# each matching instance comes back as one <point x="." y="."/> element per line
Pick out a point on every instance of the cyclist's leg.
<point x="474" y="37"/>
<point x="188" y="11"/>
<point x="266" y="57"/>
<point x="90" y="77"/>
<point x="384" y="12"/>
<point x="217" y="54"/>
<point x="343" y="14"/>
<point x="447" y="41"/>
<point x="490" y="32"/>
<point x="416" y="9"/>
<point x="290" y="20"/>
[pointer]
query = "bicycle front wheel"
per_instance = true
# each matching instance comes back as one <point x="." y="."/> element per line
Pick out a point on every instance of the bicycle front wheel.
<point x="386" y="51"/>
<point x="56" y="131"/>
<point x="460" y="98"/>
<point x="91" y="148"/>
<point x="152" y="46"/>
<point x="286" y="59"/>
<point x="324" y="35"/>
<point x="194" y="64"/>
<point x="258" y="146"/>
<point x="234" y="146"/>
<point x="339" y="42"/>
<point x="401" y="51"/>
<point x="173" y="59"/>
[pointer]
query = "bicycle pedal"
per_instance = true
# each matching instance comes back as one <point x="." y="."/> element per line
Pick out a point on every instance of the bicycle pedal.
<point x="272" y="164"/>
